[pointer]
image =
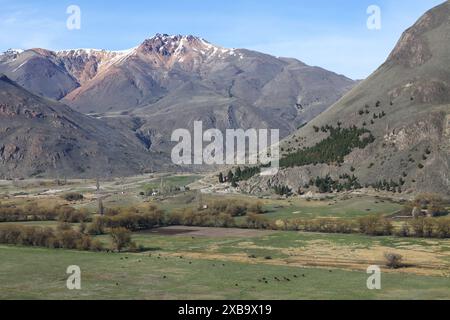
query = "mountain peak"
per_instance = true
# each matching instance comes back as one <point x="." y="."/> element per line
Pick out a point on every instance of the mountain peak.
<point x="169" y="45"/>
<point x="175" y="37"/>
<point x="413" y="48"/>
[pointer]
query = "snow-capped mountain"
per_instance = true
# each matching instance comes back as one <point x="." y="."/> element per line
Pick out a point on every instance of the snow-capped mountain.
<point x="172" y="80"/>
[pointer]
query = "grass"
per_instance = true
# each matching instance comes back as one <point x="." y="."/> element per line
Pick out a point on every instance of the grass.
<point x="172" y="181"/>
<point x="343" y="207"/>
<point x="350" y="208"/>
<point x="222" y="267"/>
<point x="298" y="239"/>
<point x="277" y="240"/>
<point x="27" y="273"/>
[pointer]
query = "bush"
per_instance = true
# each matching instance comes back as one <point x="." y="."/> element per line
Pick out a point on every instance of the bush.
<point x="443" y="228"/>
<point x="72" y="196"/>
<point x="393" y="260"/>
<point x="375" y="226"/>
<point x="255" y="221"/>
<point x="97" y="227"/>
<point x="404" y="231"/>
<point x="256" y="208"/>
<point x="68" y="214"/>
<point x="96" y="245"/>
<point x="121" y="238"/>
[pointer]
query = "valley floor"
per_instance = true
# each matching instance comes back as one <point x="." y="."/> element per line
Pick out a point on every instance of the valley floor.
<point x="214" y="263"/>
<point x="187" y="266"/>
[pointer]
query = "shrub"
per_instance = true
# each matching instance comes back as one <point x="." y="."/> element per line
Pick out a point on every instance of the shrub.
<point x="393" y="260"/>
<point x="443" y="228"/>
<point x="256" y="208"/>
<point x="72" y="196"/>
<point x="97" y="227"/>
<point x="375" y="226"/>
<point x="121" y="238"/>
<point x="418" y="226"/>
<point x="255" y="221"/>
<point x="68" y="214"/>
<point x="69" y="239"/>
<point x="96" y="245"/>
<point x="63" y="226"/>
<point x="404" y="231"/>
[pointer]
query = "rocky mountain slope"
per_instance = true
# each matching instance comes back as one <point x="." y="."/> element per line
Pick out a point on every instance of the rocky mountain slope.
<point x="405" y="105"/>
<point x="40" y="137"/>
<point x="170" y="81"/>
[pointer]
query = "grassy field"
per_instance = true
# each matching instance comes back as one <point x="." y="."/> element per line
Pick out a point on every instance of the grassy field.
<point x="208" y="263"/>
<point x="40" y="274"/>
<point x="171" y="181"/>
<point x="349" y="207"/>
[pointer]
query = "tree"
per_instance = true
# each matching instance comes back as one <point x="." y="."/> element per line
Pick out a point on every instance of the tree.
<point x="332" y="150"/>
<point x="101" y="208"/>
<point x="121" y="238"/>
<point x="238" y="173"/>
<point x="230" y="176"/>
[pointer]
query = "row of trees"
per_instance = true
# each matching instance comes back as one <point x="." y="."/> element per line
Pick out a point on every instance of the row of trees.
<point x="239" y="175"/>
<point x="282" y="190"/>
<point x="133" y="219"/>
<point x="390" y="186"/>
<point x="64" y="238"/>
<point x="217" y="214"/>
<point x="72" y="215"/>
<point x="329" y="185"/>
<point x="34" y="212"/>
<point x="426" y="228"/>
<point x="28" y="212"/>
<point x="375" y="225"/>
<point x="191" y="217"/>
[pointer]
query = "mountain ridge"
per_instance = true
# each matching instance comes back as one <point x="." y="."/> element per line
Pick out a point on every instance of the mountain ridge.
<point x="41" y="137"/>
<point x="405" y="104"/>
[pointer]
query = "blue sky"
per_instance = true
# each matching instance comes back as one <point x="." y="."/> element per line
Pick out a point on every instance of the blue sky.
<point x="327" y="33"/>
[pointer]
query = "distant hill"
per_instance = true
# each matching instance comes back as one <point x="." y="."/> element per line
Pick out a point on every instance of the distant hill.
<point x="40" y="137"/>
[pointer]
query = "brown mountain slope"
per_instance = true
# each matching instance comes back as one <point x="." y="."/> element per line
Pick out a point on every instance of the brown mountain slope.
<point x="39" y="137"/>
<point x="39" y="71"/>
<point x="168" y="82"/>
<point x="406" y="106"/>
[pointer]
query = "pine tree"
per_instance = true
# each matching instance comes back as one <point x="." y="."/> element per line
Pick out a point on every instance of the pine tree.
<point x="230" y="176"/>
